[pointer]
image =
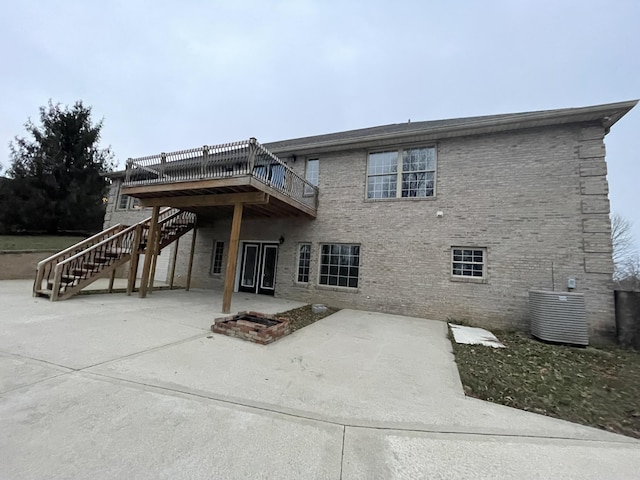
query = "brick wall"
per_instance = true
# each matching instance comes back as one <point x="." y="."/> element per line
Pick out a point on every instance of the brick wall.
<point x="535" y="199"/>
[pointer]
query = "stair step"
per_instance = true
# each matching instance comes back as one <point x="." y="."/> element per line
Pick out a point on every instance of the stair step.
<point x="44" y="293"/>
<point x="100" y="259"/>
<point x="81" y="272"/>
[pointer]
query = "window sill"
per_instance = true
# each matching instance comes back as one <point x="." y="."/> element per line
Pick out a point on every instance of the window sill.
<point x="401" y="199"/>
<point x="469" y="279"/>
<point x="334" y="288"/>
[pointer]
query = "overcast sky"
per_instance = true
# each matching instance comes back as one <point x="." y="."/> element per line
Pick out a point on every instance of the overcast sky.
<point x="172" y="75"/>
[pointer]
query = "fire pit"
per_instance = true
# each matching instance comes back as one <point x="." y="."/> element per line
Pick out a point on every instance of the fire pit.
<point x="253" y="326"/>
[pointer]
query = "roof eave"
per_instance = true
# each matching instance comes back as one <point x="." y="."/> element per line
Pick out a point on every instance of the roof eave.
<point x="607" y="115"/>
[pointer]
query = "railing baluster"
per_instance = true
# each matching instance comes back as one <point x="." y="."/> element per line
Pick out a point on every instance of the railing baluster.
<point x="238" y="158"/>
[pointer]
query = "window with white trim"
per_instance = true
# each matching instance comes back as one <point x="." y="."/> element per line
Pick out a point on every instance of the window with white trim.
<point x="216" y="258"/>
<point x="311" y="175"/>
<point x="339" y="265"/>
<point x="304" y="262"/>
<point x="403" y="173"/>
<point x="125" y="202"/>
<point x="468" y="262"/>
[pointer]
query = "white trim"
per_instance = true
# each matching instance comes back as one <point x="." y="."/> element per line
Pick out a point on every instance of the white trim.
<point x="263" y="249"/>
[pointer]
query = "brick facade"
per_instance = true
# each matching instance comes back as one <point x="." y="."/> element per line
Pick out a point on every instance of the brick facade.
<point x="535" y="199"/>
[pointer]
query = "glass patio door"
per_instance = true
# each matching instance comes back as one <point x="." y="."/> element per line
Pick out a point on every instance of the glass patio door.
<point x="258" y="268"/>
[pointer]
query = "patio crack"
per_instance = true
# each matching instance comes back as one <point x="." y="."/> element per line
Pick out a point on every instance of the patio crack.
<point x="344" y="430"/>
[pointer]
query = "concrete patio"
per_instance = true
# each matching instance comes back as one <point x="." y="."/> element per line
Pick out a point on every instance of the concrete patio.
<point x="110" y="386"/>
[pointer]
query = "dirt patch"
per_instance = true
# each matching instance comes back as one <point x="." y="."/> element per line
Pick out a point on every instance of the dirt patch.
<point x="303" y="316"/>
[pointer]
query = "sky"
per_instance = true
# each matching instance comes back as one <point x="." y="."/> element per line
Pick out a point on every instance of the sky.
<point x="167" y="76"/>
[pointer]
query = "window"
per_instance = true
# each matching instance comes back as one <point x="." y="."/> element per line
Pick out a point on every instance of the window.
<point x="311" y="175"/>
<point x="269" y="172"/>
<point x="304" y="262"/>
<point x="402" y="173"/>
<point x="339" y="265"/>
<point x="468" y="262"/>
<point x="216" y="258"/>
<point x="123" y="202"/>
<point x="126" y="202"/>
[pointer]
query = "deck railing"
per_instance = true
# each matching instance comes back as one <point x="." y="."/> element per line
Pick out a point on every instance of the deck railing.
<point x="245" y="158"/>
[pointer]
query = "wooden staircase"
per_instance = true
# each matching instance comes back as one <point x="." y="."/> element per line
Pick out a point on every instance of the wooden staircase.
<point x="66" y="273"/>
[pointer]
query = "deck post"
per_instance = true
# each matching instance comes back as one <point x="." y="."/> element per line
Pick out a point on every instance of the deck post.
<point x="111" y="280"/>
<point x="230" y="275"/>
<point x="193" y="247"/>
<point x="156" y="252"/>
<point x="135" y="259"/>
<point x="146" y="269"/>
<point x="173" y="263"/>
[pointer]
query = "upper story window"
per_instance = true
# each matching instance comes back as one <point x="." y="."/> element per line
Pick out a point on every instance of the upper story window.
<point x="126" y="202"/>
<point x="402" y="173"/>
<point x="311" y="175"/>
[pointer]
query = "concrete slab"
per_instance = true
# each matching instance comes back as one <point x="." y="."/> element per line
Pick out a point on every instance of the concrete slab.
<point x="90" y="329"/>
<point x="17" y="372"/>
<point x="409" y="455"/>
<point x="352" y="368"/>
<point x="78" y="427"/>
<point x="155" y="397"/>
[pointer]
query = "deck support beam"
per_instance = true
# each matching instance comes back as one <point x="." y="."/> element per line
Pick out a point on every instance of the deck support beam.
<point x="146" y="269"/>
<point x="193" y="248"/>
<point x="173" y="263"/>
<point x="156" y="252"/>
<point x="135" y="259"/>
<point x="230" y="276"/>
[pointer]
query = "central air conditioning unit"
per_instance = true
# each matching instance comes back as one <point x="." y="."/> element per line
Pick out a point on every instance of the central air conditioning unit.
<point x="558" y="317"/>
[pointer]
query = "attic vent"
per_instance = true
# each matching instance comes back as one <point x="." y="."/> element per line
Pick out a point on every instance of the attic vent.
<point x="558" y="317"/>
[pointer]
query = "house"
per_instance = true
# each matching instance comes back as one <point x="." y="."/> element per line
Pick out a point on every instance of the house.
<point x="449" y="219"/>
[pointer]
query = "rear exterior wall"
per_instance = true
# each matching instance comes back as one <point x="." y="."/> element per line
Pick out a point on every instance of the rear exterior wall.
<point x="535" y="199"/>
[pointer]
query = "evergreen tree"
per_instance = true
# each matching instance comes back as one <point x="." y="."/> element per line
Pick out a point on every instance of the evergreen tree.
<point x="58" y="182"/>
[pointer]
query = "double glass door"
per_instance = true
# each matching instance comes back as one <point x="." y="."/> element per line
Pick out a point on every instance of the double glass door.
<point x="258" y="272"/>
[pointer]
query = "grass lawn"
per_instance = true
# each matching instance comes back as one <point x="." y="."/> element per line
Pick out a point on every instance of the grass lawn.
<point x="599" y="387"/>
<point x="36" y="242"/>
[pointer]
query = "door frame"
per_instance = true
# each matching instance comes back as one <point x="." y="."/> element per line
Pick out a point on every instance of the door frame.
<point x="240" y="260"/>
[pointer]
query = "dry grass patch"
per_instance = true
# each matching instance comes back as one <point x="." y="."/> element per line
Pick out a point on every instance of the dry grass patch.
<point x="303" y="316"/>
<point x="599" y="387"/>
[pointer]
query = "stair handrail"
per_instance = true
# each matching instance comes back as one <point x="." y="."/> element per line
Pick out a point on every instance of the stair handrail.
<point x="79" y="244"/>
<point x="98" y="245"/>
<point x="61" y="266"/>
<point x="113" y="238"/>
<point x="119" y="237"/>
<point x="42" y="265"/>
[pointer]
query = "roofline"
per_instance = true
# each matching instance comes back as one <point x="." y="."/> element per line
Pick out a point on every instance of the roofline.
<point x="606" y="114"/>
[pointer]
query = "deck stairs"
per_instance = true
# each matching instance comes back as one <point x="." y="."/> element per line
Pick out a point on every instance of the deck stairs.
<point x="66" y="273"/>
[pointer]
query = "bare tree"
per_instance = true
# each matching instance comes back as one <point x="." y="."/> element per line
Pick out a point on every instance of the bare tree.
<point x="625" y="257"/>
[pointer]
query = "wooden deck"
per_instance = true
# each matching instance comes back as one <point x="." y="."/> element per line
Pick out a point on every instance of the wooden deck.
<point x="220" y="177"/>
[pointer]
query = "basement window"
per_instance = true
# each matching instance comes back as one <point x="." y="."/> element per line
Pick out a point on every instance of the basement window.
<point x="468" y="263"/>
<point x="339" y="265"/>
<point x="216" y="258"/>
<point x="304" y="262"/>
